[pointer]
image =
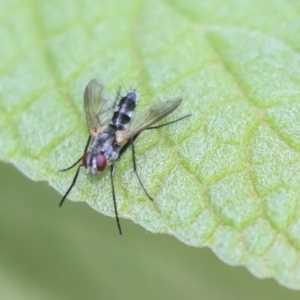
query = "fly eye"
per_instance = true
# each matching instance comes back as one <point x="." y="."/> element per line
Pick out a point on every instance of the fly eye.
<point x="86" y="158"/>
<point x="101" y="162"/>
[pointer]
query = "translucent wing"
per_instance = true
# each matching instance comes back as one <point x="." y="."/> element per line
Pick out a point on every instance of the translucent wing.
<point x="152" y="115"/>
<point x="96" y="106"/>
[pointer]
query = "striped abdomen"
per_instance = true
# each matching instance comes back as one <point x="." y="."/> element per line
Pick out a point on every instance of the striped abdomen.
<point x="122" y="114"/>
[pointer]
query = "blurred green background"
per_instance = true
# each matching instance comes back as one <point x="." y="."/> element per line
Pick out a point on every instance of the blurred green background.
<point x="77" y="253"/>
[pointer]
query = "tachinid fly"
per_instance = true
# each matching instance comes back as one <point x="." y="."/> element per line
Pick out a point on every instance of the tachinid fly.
<point x="112" y="137"/>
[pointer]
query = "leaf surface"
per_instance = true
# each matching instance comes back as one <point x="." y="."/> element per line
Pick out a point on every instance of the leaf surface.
<point x="227" y="177"/>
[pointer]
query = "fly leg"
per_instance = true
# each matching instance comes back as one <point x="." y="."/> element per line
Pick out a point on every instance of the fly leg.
<point x="112" y="171"/>
<point x="77" y="162"/>
<point x="76" y="174"/>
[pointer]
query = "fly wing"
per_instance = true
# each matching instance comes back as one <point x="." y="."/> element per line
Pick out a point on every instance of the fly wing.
<point x="96" y="106"/>
<point x="152" y="115"/>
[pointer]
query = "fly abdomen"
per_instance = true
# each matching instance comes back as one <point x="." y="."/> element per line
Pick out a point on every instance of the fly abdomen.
<point x="122" y="114"/>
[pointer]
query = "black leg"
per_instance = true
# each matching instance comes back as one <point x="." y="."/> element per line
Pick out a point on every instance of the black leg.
<point x="135" y="169"/>
<point x="77" y="162"/>
<point x="128" y="143"/>
<point x="112" y="170"/>
<point x="125" y="147"/>
<point x="131" y="142"/>
<point x="71" y="186"/>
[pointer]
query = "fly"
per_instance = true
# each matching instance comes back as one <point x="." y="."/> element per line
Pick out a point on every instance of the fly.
<point x="111" y="138"/>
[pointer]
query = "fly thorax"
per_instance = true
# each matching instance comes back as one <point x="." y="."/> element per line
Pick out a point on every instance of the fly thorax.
<point x="105" y="143"/>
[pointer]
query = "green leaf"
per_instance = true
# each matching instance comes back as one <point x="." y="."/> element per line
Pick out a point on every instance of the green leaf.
<point x="228" y="176"/>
